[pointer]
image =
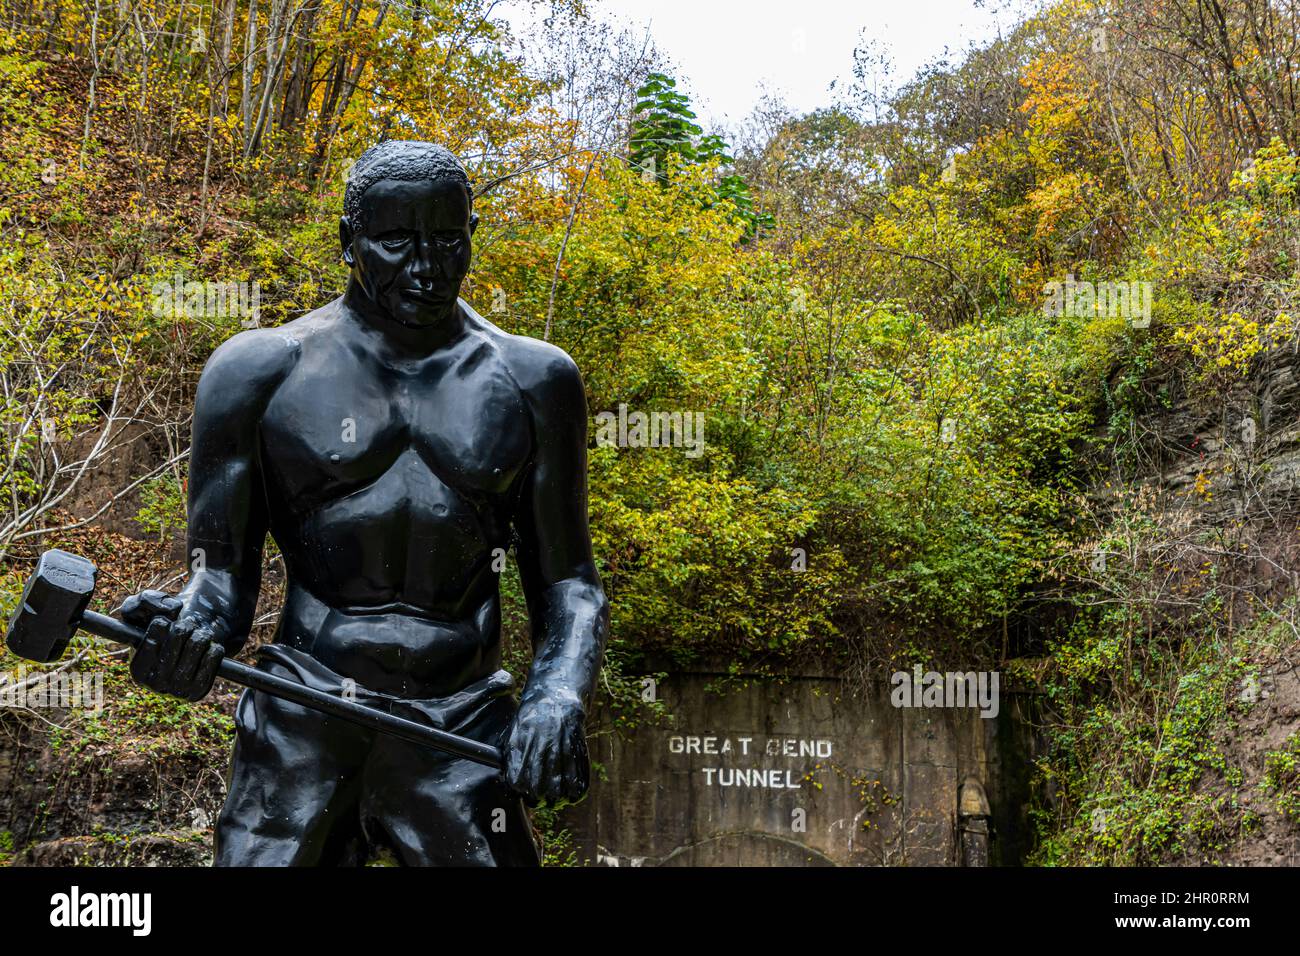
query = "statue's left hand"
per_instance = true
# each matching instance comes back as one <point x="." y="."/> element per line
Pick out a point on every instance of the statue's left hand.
<point x="545" y="751"/>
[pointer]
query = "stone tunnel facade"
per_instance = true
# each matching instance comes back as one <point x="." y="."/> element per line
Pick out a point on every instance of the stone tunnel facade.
<point x="800" y="772"/>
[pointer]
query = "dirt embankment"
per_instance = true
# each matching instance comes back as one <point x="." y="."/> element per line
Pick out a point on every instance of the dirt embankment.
<point x="141" y="781"/>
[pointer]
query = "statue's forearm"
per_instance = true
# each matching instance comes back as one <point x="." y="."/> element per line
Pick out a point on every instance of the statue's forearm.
<point x="569" y="642"/>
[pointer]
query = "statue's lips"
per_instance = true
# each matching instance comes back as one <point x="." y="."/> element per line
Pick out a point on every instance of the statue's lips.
<point x="425" y="296"/>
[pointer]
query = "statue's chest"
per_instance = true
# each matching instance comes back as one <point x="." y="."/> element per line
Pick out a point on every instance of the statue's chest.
<point x="328" y="434"/>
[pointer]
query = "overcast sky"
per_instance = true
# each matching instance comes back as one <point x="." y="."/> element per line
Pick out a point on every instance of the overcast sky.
<point x="728" y="53"/>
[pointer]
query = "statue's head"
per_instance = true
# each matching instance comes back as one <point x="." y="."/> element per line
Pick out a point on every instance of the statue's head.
<point x="405" y="232"/>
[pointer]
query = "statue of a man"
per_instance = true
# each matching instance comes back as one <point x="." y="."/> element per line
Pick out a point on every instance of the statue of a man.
<point x="394" y="443"/>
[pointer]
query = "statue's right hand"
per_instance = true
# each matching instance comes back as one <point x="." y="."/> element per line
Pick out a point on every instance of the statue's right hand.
<point x="139" y="609"/>
<point x="181" y="652"/>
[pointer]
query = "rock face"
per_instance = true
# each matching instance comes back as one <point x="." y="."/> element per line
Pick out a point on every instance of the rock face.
<point x="125" y="803"/>
<point x="172" y="848"/>
<point x="1237" y="451"/>
<point x="1223" y="469"/>
<point x="800" y="773"/>
<point x="1272" y="717"/>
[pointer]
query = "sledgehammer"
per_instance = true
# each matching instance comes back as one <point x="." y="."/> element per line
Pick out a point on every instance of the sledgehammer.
<point x="53" y="608"/>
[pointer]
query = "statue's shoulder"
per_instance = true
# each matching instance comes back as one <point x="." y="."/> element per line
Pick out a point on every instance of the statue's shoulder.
<point x="253" y="362"/>
<point x="539" y="368"/>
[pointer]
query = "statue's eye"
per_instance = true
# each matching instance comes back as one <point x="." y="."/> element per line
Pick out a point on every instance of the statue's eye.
<point x="393" y="240"/>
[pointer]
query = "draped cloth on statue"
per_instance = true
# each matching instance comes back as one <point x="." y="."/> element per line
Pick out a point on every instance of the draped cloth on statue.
<point x="340" y="791"/>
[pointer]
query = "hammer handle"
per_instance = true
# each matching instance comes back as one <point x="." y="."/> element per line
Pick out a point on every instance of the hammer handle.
<point x="400" y="727"/>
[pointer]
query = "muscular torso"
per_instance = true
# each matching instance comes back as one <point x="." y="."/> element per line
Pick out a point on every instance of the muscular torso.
<point x="389" y="485"/>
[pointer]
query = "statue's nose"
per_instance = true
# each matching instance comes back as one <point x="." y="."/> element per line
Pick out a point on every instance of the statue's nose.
<point x="425" y="264"/>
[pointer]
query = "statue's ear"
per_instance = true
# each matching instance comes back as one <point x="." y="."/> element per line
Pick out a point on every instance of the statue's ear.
<point x="473" y="222"/>
<point x="345" y="239"/>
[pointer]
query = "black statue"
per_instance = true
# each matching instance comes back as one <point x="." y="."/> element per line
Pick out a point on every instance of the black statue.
<point x="391" y="442"/>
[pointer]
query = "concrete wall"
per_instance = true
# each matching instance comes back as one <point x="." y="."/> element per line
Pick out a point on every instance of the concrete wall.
<point x="800" y="773"/>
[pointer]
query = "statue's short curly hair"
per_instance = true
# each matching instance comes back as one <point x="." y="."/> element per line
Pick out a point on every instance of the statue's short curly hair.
<point x="403" y="159"/>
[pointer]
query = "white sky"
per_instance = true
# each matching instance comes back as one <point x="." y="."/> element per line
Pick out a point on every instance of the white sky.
<point x="728" y="53"/>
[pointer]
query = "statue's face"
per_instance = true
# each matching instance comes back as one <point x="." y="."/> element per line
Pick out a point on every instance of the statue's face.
<point x="410" y="248"/>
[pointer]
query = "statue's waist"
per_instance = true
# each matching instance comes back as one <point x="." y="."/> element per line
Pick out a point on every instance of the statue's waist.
<point x="449" y="712"/>
<point x="394" y="648"/>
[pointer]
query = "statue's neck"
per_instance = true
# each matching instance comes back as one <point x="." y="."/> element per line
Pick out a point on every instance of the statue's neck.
<point x="399" y="341"/>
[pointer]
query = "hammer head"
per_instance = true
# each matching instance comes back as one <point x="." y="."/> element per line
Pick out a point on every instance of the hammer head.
<point x="50" y="609"/>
